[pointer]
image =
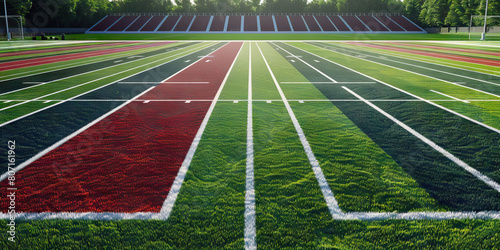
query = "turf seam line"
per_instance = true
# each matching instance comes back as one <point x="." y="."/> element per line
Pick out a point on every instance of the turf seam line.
<point x="67" y="138"/>
<point x="331" y="202"/>
<point x="436" y="147"/>
<point x="72" y="98"/>
<point x="88" y="72"/>
<point x="404" y="91"/>
<point x="250" y="228"/>
<point x="179" y="179"/>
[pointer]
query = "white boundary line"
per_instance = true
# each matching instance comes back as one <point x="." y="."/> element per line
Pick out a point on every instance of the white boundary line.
<point x="78" y="64"/>
<point x="443" y="94"/>
<point x="87" y="72"/>
<point x="250" y="228"/>
<point x="436" y="147"/>
<point x="179" y="179"/>
<point x="255" y="100"/>
<point x="85" y="83"/>
<point x="331" y="202"/>
<point x="403" y="91"/>
<point x="67" y="138"/>
<point x="72" y="98"/>
<point x="328" y="82"/>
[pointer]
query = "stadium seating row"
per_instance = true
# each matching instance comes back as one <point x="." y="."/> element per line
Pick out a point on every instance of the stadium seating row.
<point x="276" y="23"/>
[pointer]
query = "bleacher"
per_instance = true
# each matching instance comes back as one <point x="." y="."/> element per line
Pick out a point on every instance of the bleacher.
<point x="322" y="23"/>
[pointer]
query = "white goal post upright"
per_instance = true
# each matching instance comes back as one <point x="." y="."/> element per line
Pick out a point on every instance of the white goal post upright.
<point x="19" y="20"/>
<point x="483" y="36"/>
<point x="483" y="18"/>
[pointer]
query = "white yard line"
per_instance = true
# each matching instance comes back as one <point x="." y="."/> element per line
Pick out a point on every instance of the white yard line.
<point x="431" y="77"/>
<point x="179" y="179"/>
<point x="250" y="228"/>
<point x="443" y="94"/>
<point x="436" y="147"/>
<point x="85" y="83"/>
<point x="331" y="202"/>
<point x="77" y="64"/>
<point x="92" y="71"/>
<point x="67" y="138"/>
<point x="72" y="98"/>
<point x="328" y="82"/>
<point x="406" y="92"/>
<point x="323" y="74"/>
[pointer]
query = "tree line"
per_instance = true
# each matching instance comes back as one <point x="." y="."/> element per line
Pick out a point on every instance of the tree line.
<point x="85" y="13"/>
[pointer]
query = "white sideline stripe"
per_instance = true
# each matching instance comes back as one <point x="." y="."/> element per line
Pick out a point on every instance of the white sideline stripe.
<point x="85" y="83"/>
<point x="436" y="147"/>
<point x="406" y="92"/>
<point x="366" y="216"/>
<point x="87" y="72"/>
<point x="179" y="179"/>
<point x="188" y="101"/>
<point x="452" y="97"/>
<point x="30" y="83"/>
<point x="163" y="82"/>
<point x="435" y="78"/>
<point x="328" y="82"/>
<point x="331" y="202"/>
<point x="430" y="61"/>
<point x="323" y="74"/>
<point x="250" y="228"/>
<point x="105" y="85"/>
<point x="67" y="138"/>
<point x="256" y="100"/>
<point x="146" y="101"/>
<point x="77" y="64"/>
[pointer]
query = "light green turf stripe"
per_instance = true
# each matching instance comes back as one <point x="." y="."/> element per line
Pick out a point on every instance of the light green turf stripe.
<point x="415" y="84"/>
<point x="16" y="73"/>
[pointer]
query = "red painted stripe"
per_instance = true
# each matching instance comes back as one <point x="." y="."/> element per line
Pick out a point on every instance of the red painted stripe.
<point x="434" y="54"/>
<point x="127" y="161"/>
<point x="39" y="51"/>
<point x="475" y="51"/>
<point x="62" y="58"/>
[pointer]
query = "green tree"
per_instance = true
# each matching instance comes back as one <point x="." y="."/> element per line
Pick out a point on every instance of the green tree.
<point x="433" y="13"/>
<point x="454" y="14"/>
<point x="18" y="7"/>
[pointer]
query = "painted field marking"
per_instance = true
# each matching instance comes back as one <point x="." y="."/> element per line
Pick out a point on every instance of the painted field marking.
<point x="205" y="56"/>
<point x="47" y="101"/>
<point x="208" y="61"/>
<point x="301" y="101"/>
<point x="317" y="70"/>
<point x="77" y="64"/>
<point x="268" y="101"/>
<point x="316" y="61"/>
<point x="328" y="82"/>
<point x="118" y="61"/>
<point x="188" y="101"/>
<point x="179" y="179"/>
<point x="79" y="85"/>
<point x="7" y="101"/>
<point x="430" y="61"/>
<point x="331" y="202"/>
<point x="138" y="82"/>
<point x="146" y="101"/>
<point x="437" y="92"/>
<point x="436" y="147"/>
<point x="33" y="82"/>
<point x="431" y="77"/>
<point x="235" y="101"/>
<point x="292" y="61"/>
<point x="139" y="56"/>
<point x="250" y="233"/>
<point x="444" y="72"/>
<point x="406" y="92"/>
<point x="9" y="92"/>
<point x="67" y="138"/>
<point x="187" y="61"/>
<point x="105" y="85"/>
<point x="294" y="56"/>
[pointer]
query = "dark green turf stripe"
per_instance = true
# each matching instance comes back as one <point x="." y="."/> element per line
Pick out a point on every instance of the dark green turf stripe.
<point x="10" y="85"/>
<point x="398" y="62"/>
<point x="446" y="182"/>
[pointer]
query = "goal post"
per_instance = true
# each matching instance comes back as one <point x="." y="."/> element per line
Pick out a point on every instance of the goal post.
<point x="15" y="28"/>
<point x="477" y="26"/>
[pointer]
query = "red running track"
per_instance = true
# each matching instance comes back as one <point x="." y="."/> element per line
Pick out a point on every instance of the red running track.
<point x="127" y="161"/>
<point x="476" y="51"/>
<point x="434" y="54"/>
<point x="62" y="58"/>
<point x="39" y="51"/>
